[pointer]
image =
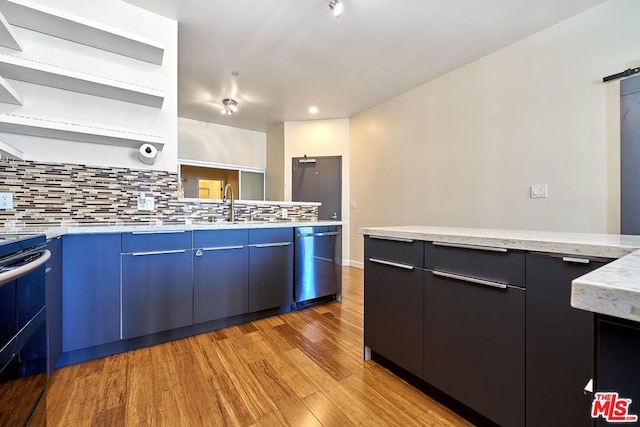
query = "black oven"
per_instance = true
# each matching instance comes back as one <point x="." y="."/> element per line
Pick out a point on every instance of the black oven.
<point x="23" y="338"/>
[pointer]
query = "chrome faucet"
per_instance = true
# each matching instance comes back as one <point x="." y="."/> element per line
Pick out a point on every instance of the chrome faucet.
<point x="224" y="199"/>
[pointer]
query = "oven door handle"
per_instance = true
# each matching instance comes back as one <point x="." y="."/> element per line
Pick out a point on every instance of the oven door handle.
<point x="23" y="270"/>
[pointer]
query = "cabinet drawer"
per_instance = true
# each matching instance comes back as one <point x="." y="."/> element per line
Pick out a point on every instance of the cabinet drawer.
<point x="270" y="235"/>
<point x="156" y="241"/>
<point x="493" y="264"/>
<point x="404" y="251"/>
<point x="220" y="238"/>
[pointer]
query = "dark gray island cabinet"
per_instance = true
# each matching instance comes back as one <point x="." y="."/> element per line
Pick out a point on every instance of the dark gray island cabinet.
<point x="393" y="301"/>
<point x="490" y="328"/>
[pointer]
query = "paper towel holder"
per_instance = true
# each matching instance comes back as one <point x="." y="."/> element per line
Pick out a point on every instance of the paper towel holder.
<point x="147" y="154"/>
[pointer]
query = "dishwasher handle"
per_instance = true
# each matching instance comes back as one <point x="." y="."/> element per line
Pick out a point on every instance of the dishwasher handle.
<point x="328" y="233"/>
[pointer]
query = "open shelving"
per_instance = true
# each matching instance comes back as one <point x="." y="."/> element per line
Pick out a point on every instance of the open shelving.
<point x="27" y="70"/>
<point x="7" y="38"/>
<point x="47" y="128"/>
<point x="37" y="17"/>
<point x="9" y="152"/>
<point x="8" y="95"/>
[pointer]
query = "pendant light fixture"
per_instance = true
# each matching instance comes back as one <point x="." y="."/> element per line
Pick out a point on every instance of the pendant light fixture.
<point x="336" y="7"/>
<point x="230" y="106"/>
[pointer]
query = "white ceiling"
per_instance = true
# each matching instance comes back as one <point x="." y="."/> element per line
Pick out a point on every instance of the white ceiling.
<point x="292" y="54"/>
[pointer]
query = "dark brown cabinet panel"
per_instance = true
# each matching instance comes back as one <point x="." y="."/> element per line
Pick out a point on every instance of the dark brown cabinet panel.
<point x="393" y="304"/>
<point x="474" y="346"/>
<point x="559" y="342"/>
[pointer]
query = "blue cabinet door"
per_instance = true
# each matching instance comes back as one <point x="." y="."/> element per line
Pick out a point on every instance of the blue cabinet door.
<point x="90" y="290"/>
<point x="220" y="283"/>
<point x="220" y="274"/>
<point x="157" y="291"/>
<point x="270" y="268"/>
<point x="53" y="297"/>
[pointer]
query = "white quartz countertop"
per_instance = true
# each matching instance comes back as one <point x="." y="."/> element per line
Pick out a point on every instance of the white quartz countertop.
<point x="613" y="290"/>
<point x="55" y="231"/>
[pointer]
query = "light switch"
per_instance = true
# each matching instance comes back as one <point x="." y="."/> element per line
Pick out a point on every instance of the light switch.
<point x="354" y="205"/>
<point x="539" y="191"/>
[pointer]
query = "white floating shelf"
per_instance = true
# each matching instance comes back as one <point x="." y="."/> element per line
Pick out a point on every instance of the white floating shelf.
<point x="9" y="152"/>
<point x="37" y="17"/>
<point x="7" y="38"/>
<point x="47" y="128"/>
<point x="27" y="70"/>
<point x="7" y="94"/>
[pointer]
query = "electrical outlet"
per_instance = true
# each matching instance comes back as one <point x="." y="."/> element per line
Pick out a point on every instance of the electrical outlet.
<point x="354" y="204"/>
<point x="539" y="191"/>
<point x="145" y="203"/>
<point x="284" y="214"/>
<point x="6" y="201"/>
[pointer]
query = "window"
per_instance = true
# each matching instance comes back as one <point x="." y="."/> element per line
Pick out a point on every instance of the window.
<point x="207" y="182"/>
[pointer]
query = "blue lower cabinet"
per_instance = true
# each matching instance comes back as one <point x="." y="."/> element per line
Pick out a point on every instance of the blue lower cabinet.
<point x="90" y="290"/>
<point x="220" y="283"/>
<point x="270" y="268"/>
<point x="157" y="291"/>
<point x="220" y="274"/>
<point x="53" y="297"/>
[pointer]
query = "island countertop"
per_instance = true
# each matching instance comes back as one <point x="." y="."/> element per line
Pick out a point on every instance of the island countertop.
<point x="612" y="290"/>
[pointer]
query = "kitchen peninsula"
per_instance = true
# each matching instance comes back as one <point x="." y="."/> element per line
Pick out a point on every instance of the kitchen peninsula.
<point x="484" y="317"/>
<point x="116" y="288"/>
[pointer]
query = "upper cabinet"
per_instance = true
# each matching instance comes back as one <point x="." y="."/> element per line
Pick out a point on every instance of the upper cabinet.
<point x="43" y="19"/>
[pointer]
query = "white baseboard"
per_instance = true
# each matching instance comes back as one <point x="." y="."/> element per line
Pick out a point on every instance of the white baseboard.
<point x="356" y="264"/>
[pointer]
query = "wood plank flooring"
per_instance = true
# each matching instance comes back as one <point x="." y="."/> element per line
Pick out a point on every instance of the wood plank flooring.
<point x="300" y="369"/>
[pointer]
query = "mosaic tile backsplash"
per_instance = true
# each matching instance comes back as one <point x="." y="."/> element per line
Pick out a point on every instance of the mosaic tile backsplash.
<point x="67" y="194"/>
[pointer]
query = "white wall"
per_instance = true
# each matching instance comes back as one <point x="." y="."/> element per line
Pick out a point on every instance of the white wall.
<point x="225" y="145"/>
<point x="463" y="150"/>
<point x="69" y="106"/>
<point x="320" y="138"/>
<point x="275" y="163"/>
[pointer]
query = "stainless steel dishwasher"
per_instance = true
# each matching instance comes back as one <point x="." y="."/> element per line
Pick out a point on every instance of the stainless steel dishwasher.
<point x="318" y="264"/>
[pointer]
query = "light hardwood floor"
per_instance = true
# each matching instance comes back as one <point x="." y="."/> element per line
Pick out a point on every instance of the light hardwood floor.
<point x="301" y="369"/>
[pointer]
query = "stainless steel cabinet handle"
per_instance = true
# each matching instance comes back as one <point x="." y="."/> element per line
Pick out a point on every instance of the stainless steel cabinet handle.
<point x="393" y="239"/>
<point x="471" y="280"/>
<point x="329" y="233"/>
<point x="159" y="232"/>
<point x="270" y="245"/>
<point x="391" y="264"/>
<point x="575" y="260"/>
<point x="222" y="248"/>
<point x="159" y="252"/>
<point x="465" y="246"/>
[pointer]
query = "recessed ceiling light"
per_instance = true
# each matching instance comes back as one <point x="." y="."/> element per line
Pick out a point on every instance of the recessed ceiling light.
<point x="313" y="110"/>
